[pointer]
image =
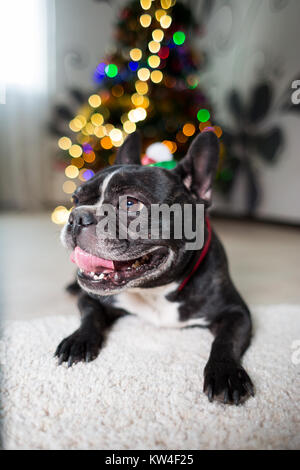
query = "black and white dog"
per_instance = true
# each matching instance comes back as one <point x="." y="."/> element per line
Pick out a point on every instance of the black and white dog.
<point x="157" y="279"/>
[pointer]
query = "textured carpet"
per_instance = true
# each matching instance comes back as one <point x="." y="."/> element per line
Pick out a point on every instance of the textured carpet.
<point x="144" y="389"/>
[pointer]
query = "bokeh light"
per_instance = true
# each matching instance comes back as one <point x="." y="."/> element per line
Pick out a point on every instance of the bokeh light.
<point x="111" y="70"/>
<point x="165" y="21"/>
<point x="106" y="143"/>
<point x="153" y="61"/>
<point x="159" y="14"/>
<point x="146" y="4"/>
<point x="156" y="76"/>
<point x="72" y="171"/>
<point x="145" y="20"/>
<point x="135" y="54"/>
<point x="97" y="119"/>
<point x="60" y="214"/>
<point x="75" y="151"/>
<point x="94" y="101"/>
<point x="189" y="129"/>
<point x="64" y="143"/>
<point x="179" y="38"/>
<point x="129" y="127"/>
<point x="203" y="115"/>
<point x="154" y="46"/>
<point x="141" y="87"/>
<point x="158" y="35"/>
<point x="143" y="74"/>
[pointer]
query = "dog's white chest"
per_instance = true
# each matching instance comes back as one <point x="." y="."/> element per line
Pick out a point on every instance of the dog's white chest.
<point x="151" y="305"/>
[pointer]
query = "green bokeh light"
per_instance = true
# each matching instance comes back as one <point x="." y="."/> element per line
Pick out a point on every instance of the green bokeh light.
<point x="111" y="70"/>
<point x="203" y="115"/>
<point x="179" y="38"/>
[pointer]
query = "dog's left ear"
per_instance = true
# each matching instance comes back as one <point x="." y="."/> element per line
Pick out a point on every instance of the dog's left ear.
<point x="130" y="152"/>
<point x="198" y="168"/>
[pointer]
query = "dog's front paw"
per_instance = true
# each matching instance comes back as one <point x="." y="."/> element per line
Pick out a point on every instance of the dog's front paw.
<point x="227" y="381"/>
<point x="78" y="347"/>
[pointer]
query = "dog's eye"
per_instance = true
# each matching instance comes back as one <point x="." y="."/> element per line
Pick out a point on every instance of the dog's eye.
<point x="75" y="199"/>
<point x="130" y="204"/>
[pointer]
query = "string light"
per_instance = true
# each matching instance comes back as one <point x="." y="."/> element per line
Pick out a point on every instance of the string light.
<point x="154" y="46"/>
<point x="75" y="151"/>
<point x="94" y="101"/>
<point x="145" y="20"/>
<point x="143" y="74"/>
<point x="153" y="61"/>
<point x="135" y="54"/>
<point x="156" y="76"/>
<point x="64" y="143"/>
<point x="158" y="35"/>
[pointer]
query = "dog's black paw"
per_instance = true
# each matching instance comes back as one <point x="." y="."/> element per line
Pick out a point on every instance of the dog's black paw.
<point x="78" y="347"/>
<point x="227" y="381"/>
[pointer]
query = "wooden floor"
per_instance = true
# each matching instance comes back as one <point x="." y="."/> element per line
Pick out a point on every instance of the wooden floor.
<point x="264" y="262"/>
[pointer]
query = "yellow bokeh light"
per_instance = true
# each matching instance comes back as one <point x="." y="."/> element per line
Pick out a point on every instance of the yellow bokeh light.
<point x="143" y="74"/>
<point x="146" y="102"/>
<point x="165" y="21"/>
<point x="99" y="131"/>
<point x="64" y="143"/>
<point x="94" y="101"/>
<point x="60" y="214"/>
<point x="75" y="125"/>
<point x="146" y="4"/>
<point x="129" y="127"/>
<point x="89" y="128"/>
<point x="189" y="129"/>
<point x="79" y="162"/>
<point x="154" y="46"/>
<point x="158" y="35"/>
<point x="75" y="151"/>
<point x="135" y="54"/>
<point x="141" y="87"/>
<point x="82" y="119"/>
<point x="116" y="135"/>
<point x="137" y="99"/>
<point x="154" y="61"/>
<point x="69" y="187"/>
<point x="72" y="171"/>
<point x="145" y="20"/>
<point x="97" y="119"/>
<point x="136" y="115"/>
<point x="156" y="76"/>
<point x="166" y="4"/>
<point x="159" y="14"/>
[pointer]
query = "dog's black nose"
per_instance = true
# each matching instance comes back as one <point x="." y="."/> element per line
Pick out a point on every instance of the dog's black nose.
<point x="81" y="217"/>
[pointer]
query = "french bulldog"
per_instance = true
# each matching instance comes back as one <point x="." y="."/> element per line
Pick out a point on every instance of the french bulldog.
<point x="157" y="279"/>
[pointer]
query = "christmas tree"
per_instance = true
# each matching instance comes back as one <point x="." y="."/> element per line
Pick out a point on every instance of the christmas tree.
<point x="150" y="81"/>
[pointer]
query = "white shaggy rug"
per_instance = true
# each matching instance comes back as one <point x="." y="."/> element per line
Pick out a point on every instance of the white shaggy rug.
<point x="144" y="391"/>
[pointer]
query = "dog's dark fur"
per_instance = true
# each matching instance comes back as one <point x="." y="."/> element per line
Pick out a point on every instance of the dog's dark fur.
<point x="209" y="295"/>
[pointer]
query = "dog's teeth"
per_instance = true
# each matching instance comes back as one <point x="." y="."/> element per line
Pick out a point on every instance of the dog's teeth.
<point x="101" y="276"/>
<point x="95" y="277"/>
<point x="92" y="273"/>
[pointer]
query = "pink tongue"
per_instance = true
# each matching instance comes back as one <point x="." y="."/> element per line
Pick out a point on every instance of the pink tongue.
<point x="88" y="262"/>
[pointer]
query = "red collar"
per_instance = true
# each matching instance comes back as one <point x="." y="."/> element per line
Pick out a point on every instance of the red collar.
<point x="201" y="257"/>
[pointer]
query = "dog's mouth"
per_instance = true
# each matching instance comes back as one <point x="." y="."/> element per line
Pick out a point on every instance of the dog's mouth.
<point x="103" y="274"/>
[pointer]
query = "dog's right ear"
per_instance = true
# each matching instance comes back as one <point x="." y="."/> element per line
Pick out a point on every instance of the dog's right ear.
<point x="130" y="152"/>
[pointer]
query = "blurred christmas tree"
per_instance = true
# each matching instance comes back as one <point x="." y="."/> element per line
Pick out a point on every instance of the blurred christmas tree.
<point x="149" y="81"/>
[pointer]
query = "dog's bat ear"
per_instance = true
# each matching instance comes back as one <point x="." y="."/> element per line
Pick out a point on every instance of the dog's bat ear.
<point x="198" y="168"/>
<point x="130" y="152"/>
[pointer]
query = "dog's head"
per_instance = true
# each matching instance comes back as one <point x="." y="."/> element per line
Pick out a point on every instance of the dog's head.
<point x="124" y="194"/>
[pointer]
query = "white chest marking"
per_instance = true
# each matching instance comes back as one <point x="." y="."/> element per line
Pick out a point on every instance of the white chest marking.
<point x="152" y="306"/>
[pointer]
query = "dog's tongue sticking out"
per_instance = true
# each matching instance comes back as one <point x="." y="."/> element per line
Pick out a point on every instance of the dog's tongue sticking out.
<point x="88" y="262"/>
